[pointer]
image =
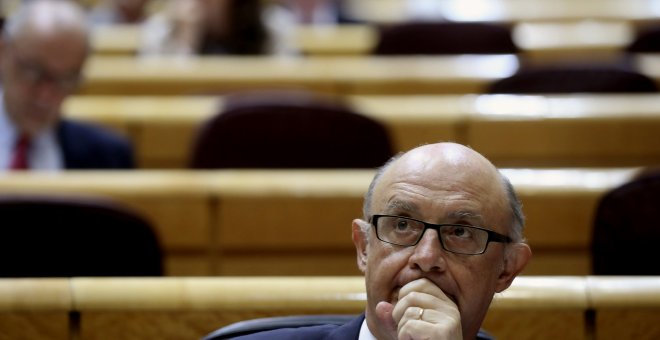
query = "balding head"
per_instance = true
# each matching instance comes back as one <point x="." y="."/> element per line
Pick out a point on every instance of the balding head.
<point x="47" y="16"/>
<point x="441" y="161"/>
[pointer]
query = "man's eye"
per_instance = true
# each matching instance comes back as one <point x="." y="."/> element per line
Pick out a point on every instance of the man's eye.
<point x="461" y="232"/>
<point x="402" y="225"/>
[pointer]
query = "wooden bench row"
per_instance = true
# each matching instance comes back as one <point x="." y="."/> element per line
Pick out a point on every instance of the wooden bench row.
<point x="543" y="307"/>
<point x="388" y="11"/>
<point x="512" y="131"/>
<point x="233" y="222"/>
<point x="538" y="41"/>
<point x="342" y="75"/>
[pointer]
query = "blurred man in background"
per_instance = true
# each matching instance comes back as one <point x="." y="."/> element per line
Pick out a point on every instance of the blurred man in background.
<point x="44" y="46"/>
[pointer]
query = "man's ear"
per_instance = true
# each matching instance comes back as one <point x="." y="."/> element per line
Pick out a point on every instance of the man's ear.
<point x="360" y="240"/>
<point x="516" y="258"/>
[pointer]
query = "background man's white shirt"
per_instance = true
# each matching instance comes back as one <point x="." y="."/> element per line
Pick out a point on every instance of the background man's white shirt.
<point x="45" y="153"/>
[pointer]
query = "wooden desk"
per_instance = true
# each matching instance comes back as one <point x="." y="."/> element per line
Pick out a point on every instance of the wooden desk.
<point x="230" y="222"/>
<point x="383" y="11"/>
<point x="35" y="308"/>
<point x="538" y="41"/>
<point x="539" y="307"/>
<point x="223" y="300"/>
<point x="541" y="131"/>
<point x="339" y="75"/>
<point x="615" y="319"/>
<point x="175" y="203"/>
<point x="116" y="39"/>
<point x="163" y="129"/>
<point x="588" y="40"/>
<point x="345" y="75"/>
<point x="592" y="130"/>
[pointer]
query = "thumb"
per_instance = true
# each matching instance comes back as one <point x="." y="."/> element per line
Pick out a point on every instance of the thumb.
<point x="384" y="314"/>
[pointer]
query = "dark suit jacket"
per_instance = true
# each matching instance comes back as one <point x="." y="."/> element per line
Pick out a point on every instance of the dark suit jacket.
<point x="348" y="331"/>
<point x="85" y="146"/>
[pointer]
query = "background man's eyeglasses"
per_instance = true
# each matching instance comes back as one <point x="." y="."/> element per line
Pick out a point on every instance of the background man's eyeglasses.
<point x="455" y="238"/>
<point x="33" y="74"/>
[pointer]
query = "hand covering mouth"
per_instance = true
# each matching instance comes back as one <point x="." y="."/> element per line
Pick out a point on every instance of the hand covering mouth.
<point x="394" y="297"/>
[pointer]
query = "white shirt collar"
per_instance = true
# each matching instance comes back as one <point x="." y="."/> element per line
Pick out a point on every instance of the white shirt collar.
<point x="45" y="152"/>
<point x="365" y="333"/>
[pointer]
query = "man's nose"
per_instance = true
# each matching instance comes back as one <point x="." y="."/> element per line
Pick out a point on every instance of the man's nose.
<point x="428" y="254"/>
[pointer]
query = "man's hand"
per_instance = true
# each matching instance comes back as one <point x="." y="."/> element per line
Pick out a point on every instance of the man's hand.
<point x="423" y="312"/>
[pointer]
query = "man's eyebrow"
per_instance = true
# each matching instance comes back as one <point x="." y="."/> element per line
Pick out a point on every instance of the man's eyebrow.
<point x="468" y="215"/>
<point x="397" y="205"/>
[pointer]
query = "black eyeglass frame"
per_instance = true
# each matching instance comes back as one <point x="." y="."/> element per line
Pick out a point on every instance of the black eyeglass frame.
<point x="492" y="235"/>
<point x="34" y="74"/>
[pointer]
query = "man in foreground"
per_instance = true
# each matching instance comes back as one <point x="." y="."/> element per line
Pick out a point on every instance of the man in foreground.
<point x="441" y="234"/>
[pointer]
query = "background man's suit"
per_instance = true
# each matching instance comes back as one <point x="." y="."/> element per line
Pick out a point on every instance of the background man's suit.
<point x="86" y="146"/>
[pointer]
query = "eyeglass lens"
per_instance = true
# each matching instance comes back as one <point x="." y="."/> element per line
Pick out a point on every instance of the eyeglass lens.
<point x="455" y="238"/>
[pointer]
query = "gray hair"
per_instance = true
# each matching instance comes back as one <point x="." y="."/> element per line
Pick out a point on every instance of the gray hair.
<point x="62" y="12"/>
<point x="517" y="216"/>
<point x="368" y="197"/>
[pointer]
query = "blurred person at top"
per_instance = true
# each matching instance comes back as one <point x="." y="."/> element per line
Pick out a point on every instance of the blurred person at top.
<point x="108" y="12"/>
<point x="316" y="12"/>
<point x="217" y="27"/>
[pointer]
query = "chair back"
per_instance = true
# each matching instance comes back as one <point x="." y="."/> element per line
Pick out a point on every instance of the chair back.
<point x="646" y="40"/>
<point x="437" y="38"/>
<point x="574" y="79"/>
<point x="65" y="236"/>
<point x="289" y="130"/>
<point x="626" y="229"/>
<point x="266" y="324"/>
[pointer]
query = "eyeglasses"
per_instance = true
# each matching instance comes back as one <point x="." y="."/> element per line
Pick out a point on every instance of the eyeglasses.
<point x="455" y="238"/>
<point x="33" y="74"/>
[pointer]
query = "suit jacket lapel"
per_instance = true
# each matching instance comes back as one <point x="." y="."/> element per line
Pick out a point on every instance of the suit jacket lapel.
<point x="350" y="330"/>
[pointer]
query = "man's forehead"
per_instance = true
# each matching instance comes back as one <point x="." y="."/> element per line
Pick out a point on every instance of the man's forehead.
<point x="463" y="212"/>
<point x="425" y="166"/>
<point x="451" y="168"/>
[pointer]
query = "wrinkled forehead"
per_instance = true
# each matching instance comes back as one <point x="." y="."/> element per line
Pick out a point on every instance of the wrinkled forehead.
<point x="444" y="163"/>
<point x="443" y="171"/>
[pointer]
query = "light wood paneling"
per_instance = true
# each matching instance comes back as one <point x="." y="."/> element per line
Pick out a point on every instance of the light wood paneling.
<point x="224" y="220"/>
<point x="539" y="307"/>
<point x="512" y="131"/>
<point x="336" y="75"/>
